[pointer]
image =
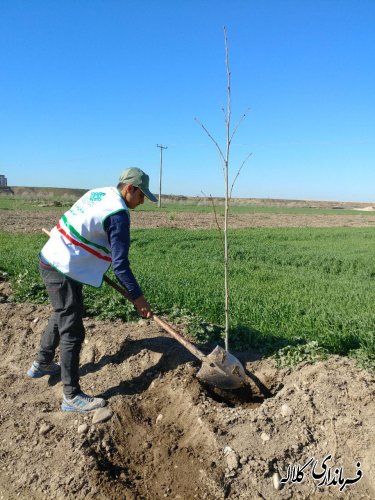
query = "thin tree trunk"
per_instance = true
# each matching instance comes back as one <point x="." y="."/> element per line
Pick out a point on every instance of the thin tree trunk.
<point x="228" y="193"/>
<point x="226" y="280"/>
<point x="226" y="174"/>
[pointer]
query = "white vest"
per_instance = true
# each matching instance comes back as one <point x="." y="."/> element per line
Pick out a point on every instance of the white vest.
<point x="78" y="246"/>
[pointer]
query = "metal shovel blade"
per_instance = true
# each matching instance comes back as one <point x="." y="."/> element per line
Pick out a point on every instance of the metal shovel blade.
<point x="221" y="369"/>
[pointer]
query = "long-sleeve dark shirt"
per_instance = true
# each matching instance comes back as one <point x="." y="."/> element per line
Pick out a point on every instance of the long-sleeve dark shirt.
<point x="117" y="226"/>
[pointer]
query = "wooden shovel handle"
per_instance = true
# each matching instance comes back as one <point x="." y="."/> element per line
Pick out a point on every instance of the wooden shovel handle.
<point x="177" y="335"/>
<point x="119" y="288"/>
<point x="166" y="326"/>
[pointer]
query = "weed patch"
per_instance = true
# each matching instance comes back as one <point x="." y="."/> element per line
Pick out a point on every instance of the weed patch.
<point x="293" y="355"/>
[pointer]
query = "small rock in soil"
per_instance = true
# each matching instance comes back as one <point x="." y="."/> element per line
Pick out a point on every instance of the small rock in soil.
<point x="91" y="355"/>
<point x="44" y="429"/>
<point x="159" y="418"/>
<point x="102" y="415"/>
<point x="286" y="410"/>
<point x="232" y="460"/>
<point x="83" y="428"/>
<point x="276" y="481"/>
<point x="264" y="436"/>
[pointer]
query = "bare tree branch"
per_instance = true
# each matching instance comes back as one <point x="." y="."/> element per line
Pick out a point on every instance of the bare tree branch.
<point x="216" y="219"/>
<point x="238" y="173"/>
<point x="239" y="123"/>
<point x="225" y="115"/>
<point x="212" y="139"/>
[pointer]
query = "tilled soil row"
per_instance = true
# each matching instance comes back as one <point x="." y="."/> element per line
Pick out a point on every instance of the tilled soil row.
<point x="23" y="221"/>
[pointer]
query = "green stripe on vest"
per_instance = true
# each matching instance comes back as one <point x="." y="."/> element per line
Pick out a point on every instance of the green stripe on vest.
<point x="81" y="238"/>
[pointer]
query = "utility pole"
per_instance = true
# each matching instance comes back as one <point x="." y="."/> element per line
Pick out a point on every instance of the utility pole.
<point x="161" y="169"/>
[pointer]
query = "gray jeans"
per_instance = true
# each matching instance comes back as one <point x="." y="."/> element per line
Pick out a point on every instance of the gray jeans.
<point x="65" y="327"/>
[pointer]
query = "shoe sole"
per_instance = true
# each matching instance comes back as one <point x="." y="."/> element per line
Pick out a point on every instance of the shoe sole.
<point x="65" y="407"/>
<point x="33" y="374"/>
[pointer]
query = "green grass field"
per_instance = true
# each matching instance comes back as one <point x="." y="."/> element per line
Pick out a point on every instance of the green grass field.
<point x="249" y="209"/>
<point x="288" y="286"/>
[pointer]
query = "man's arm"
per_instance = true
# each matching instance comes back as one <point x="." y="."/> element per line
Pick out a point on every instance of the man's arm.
<point x="117" y="227"/>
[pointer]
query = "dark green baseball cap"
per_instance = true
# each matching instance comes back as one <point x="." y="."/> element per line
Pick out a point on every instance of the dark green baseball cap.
<point x="139" y="179"/>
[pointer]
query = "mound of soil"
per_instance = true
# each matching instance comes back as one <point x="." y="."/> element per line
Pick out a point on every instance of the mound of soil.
<point x="171" y="437"/>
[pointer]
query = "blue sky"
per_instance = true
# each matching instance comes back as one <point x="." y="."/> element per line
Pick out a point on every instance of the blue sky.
<point x="89" y="87"/>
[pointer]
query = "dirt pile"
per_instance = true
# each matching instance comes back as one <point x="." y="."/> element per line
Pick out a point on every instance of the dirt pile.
<point x="170" y="437"/>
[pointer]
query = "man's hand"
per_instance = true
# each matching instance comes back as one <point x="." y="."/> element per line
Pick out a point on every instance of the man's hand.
<point x="143" y="307"/>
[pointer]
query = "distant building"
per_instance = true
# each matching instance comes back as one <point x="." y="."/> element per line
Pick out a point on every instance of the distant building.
<point x="4" y="188"/>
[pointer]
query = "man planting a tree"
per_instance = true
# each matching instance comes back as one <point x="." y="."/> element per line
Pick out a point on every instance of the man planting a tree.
<point x="89" y="237"/>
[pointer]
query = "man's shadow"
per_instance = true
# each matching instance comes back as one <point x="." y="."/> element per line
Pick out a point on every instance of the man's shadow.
<point x="172" y="356"/>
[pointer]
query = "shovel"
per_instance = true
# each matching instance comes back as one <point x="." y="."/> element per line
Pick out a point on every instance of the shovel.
<point x="219" y="368"/>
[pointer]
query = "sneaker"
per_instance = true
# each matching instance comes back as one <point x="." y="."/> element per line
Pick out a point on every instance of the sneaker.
<point x="37" y="371"/>
<point x="82" y="403"/>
